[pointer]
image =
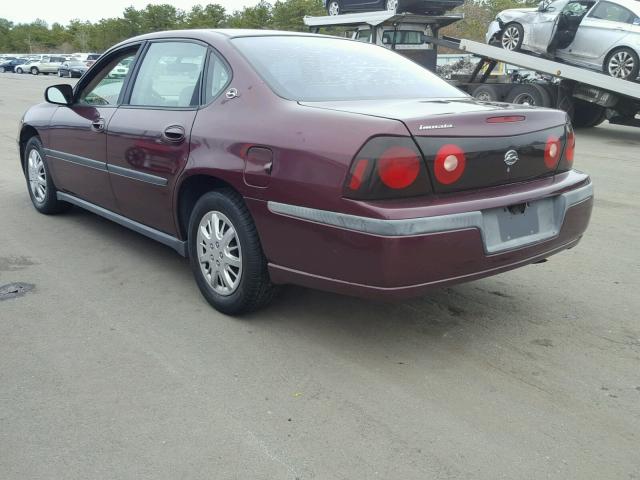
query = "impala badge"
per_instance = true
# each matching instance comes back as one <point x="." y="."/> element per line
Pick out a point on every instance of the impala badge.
<point x="511" y="157"/>
<point x="435" y="127"/>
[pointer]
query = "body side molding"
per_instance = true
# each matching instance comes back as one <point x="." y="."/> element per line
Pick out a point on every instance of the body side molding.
<point x="178" y="245"/>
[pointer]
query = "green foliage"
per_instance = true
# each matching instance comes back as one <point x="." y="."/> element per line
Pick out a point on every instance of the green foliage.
<point x="85" y="36"/>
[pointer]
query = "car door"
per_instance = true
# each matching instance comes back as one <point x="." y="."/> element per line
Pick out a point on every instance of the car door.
<point x="604" y="26"/>
<point x="542" y="25"/>
<point x="148" y="141"/>
<point x="77" y="145"/>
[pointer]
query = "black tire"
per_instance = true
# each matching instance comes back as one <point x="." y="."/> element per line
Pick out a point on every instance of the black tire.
<point x="587" y="115"/>
<point x="529" y="94"/>
<point x="487" y="93"/>
<point x="60" y="73"/>
<point x="254" y="289"/>
<point x="334" y="4"/>
<point x="49" y="203"/>
<point x="512" y="36"/>
<point x="613" y="61"/>
<point x="18" y="70"/>
<point x="34" y="71"/>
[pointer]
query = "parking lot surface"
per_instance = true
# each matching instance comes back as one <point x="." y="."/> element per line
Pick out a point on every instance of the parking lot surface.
<point x="113" y="366"/>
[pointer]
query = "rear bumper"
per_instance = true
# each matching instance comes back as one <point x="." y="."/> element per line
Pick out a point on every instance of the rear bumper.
<point x="401" y="258"/>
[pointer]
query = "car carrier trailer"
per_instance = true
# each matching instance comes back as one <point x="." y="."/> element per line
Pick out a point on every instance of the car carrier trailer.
<point x="589" y="97"/>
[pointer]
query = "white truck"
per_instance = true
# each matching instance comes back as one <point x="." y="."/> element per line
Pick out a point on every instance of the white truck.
<point x="590" y="97"/>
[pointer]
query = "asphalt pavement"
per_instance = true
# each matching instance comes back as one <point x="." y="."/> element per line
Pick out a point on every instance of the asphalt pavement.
<point x="113" y="366"/>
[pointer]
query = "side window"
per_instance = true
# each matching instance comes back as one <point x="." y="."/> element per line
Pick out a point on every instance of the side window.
<point x="612" y="12"/>
<point x="218" y="76"/>
<point x="105" y="87"/>
<point x="169" y="75"/>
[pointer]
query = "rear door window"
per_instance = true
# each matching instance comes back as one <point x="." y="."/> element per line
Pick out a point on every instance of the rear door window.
<point x="218" y="77"/>
<point x="613" y="13"/>
<point x="170" y="75"/>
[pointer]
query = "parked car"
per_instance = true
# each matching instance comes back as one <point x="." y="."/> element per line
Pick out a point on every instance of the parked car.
<point x="24" y="68"/>
<point x="46" y="65"/>
<point x="121" y="70"/>
<point x="369" y="176"/>
<point x="91" y="59"/>
<point x="602" y="35"/>
<point x="72" y="68"/>
<point x="11" y="65"/>
<point x="431" y="7"/>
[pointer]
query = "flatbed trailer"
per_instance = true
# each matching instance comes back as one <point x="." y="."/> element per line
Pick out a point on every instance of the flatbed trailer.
<point x="589" y="97"/>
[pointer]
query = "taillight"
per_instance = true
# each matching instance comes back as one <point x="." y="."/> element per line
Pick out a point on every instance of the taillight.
<point x="571" y="145"/>
<point x="387" y="167"/>
<point x="449" y="164"/>
<point x="552" y="151"/>
<point x="566" y="162"/>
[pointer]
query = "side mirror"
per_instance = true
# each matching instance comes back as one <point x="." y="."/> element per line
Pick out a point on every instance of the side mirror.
<point x="59" y="94"/>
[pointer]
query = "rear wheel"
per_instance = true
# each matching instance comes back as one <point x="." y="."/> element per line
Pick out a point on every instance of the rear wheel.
<point x="529" y="94"/>
<point x="587" y="115"/>
<point x="486" y="93"/>
<point x="333" y="8"/>
<point x="18" y="70"/>
<point x="622" y="63"/>
<point x="512" y="36"/>
<point x="226" y="256"/>
<point x="34" y="71"/>
<point x="41" y="188"/>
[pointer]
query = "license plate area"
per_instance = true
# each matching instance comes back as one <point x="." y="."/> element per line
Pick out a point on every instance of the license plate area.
<point x="517" y="225"/>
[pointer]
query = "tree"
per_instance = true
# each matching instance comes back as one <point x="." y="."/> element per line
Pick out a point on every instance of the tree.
<point x="288" y="14"/>
<point x="209" y="16"/>
<point x="252" y="17"/>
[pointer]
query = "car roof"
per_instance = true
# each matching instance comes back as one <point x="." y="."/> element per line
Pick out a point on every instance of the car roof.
<point x="212" y="34"/>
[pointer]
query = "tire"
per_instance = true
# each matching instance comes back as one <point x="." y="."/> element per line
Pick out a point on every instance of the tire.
<point x="587" y="115"/>
<point x="247" y="286"/>
<point x="391" y="5"/>
<point x="529" y="94"/>
<point x="2" y="70"/>
<point x="39" y="182"/>
<point x="69" y="74"/>
<point x="18" y="70"/>
<point x="512" y="36"/>
<point x="34" y="71"/>
<point x="622" y="63"/>
<point x="60" y="73"/>
<point x="334" y="8"/>
<point x="487" y="93"/>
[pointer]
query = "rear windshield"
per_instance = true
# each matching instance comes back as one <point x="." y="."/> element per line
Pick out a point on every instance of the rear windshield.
<point x="324" y="69"/>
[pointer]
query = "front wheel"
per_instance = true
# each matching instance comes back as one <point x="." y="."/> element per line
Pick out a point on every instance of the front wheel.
<point x="18" y="70"/>
<point x="226" y="256"/>
<point x="41" y="188"/>
<point x="622" y="63"/>
<point x="512" y="36"/>
<point x="333" y="8"/>
<point x="34" y="71"/>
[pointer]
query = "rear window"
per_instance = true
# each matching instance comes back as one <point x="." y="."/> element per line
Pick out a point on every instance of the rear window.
<point x="324" y="69"/>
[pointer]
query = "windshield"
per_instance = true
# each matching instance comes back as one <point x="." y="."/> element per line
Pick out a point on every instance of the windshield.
<point x="323" y="69"/>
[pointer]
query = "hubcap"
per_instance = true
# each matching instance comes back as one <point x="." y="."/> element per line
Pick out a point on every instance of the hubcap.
<point x="334" y="8"/>
<point x="219" y="253"/>
<point x="37" y="176"/>
<point x="510" y="38"/>
<point x="392" y="5"/>
<point x="621" y="65"/>
<point x="524" y="99"/>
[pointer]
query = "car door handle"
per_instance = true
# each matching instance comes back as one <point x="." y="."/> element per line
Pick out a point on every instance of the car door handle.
<point x="97" y="125"/>
<point x="173" y="134"/>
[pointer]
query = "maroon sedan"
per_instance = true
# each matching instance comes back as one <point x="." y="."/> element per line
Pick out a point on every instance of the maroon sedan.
<point x="271" y="158"/>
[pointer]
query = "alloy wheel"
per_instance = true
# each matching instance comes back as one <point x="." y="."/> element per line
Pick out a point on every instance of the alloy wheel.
<point x="334" y="8"/>
<point x="510" y="38"/>
<point x="37" y="176"/>
<point x="524" y="99"/>
<point x="621" y="64"/>
<point x="392" y="5"/>
<point x="219" y="253"/>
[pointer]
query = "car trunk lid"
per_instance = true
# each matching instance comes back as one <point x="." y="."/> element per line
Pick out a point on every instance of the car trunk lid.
<point x="501" y="143"/>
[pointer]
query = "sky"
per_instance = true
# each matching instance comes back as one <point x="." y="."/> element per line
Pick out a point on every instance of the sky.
<point x="62" y="11"/>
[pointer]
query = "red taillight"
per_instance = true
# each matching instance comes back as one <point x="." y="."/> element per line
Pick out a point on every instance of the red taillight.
<point x="398" y="167"/>
<point x="552" y="151"/>
<point x="387" y="168"/>
<point x="358" y="174"/>
<point x="571" y="145"/>
<point x="449" y="164"/>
